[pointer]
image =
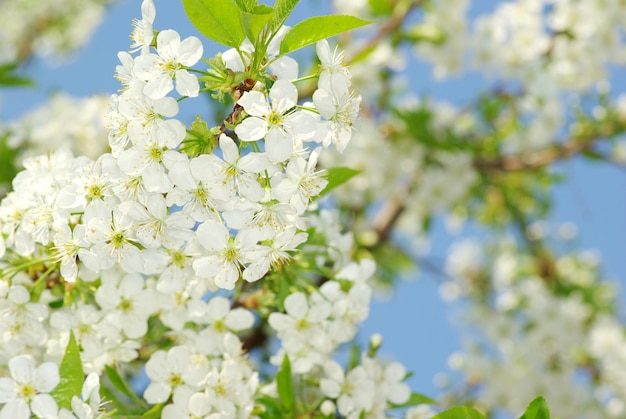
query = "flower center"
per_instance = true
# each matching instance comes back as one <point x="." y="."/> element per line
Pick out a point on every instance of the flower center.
<point x="175" y="380"/>
<point x="126" y="305"/>
<point x="156" y="154"/>
<point x="219" y="326"/>
<point x="94" y="192"/>
<point x="27" y="391"/>
<point x="118" y="239"/>
<point x="275" y="119"/>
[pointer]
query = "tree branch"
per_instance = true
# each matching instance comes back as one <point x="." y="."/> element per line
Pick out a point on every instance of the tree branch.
<point x="536" y="159"/>
<point x="396" y="21"/>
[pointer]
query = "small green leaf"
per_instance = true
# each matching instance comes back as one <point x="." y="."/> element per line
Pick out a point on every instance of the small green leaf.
<point x="255" y="21"/>
<point x="338" y="176"/>
<point x="317" y="28"/>
<point x="217" y="20"/>
<point x="246" y="5"/>
<point x="460" y="412"/>
<point x="284" y="386"/>
<point x="537" y="409"/>
<point x="119" y="383"/>
<point x="71" y="375"/>
<point x="414" y="400"/>
<point x="282" y="10"/>
<point x="9" y="78"/>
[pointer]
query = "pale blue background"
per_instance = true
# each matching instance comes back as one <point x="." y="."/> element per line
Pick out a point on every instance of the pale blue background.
<point x="416" y="325"/>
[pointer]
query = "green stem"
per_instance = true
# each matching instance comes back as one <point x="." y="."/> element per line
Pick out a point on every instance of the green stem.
<point x="309" y="77"/>
<point x="16" y="269"/>
<point x="42" y="278"/>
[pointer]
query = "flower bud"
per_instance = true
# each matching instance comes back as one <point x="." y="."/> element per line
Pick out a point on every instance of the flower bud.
<point x="328" y="408"/>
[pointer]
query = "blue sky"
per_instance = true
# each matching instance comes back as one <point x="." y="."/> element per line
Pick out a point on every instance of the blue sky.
<point x="415" y="323"/>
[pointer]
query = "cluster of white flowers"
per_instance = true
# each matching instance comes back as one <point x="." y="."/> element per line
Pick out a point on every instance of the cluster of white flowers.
<point x="50" y="27"/>
<point x="367" y="389"/>
<point x="525" y="39"/>
<point x="567" y="343"/>
<point x="550" y="47"/>
<point x="26" y="393"/>
<point x="63" y="122"/>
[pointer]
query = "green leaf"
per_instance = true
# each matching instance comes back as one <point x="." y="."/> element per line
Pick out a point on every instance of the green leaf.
<point x="13" y="80"/>
<point x="154" y="412"/>
<point x="338" y="176"/>
<point x="282" y="10"/>
<point x="537" y="409"/>
<point x="284" y="386"/>
<point x="119" y="383"/>
<point x="8" y="77"/>
<point x="217" y="20"/>
<point x="414" y="400"/>
<point x="246" y="5"/>
<point x="255" y="21"/>
<point x="317" y="28"/>
<point x="381" y="7"/>
<point x="8" y="159"/>
<point x="460" y="412"/>
<point x="71" y="375"/>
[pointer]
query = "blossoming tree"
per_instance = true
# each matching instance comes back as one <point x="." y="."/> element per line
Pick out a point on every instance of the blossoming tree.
<point x="219" y="267"/>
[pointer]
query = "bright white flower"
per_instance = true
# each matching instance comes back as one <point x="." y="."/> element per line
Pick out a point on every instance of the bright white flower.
<point x="274" y="254"/>
<point x="27" y="389"/>
<point x="171" y="63"/>
<point x="301" y="183"/>
<point x="175" y="275"/>
<point x="389" y="380"/>
<point x="340" y="107"/>
<point x="70" y="244"/>
<point x="91" y="190"/>
<point x="349" y="309"/>
<point x="172" y="307"/>
<point x="196" y="187"/>
<point x="301" y="330"/>
<point x="114" y="242"/>
<point x="143" y="33"/>
<point x="242" y="171"/>
<point x="168" y="372"/>
<point x="153" y="225"/>
<point x="226" y="254"/>
<point x="124" y="71"/>
<point x="280" y="124"/>
<point x="220" y="317"/>
<point x="143" y="119"/>
<point x="128" y="304"/>
<point x="333" y="71"/>
<point x="354" y="393"/>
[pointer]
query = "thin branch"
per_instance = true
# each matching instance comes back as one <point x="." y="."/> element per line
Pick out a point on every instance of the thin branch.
<point x="391" y="25"/>
<point x="536" y="159"/>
